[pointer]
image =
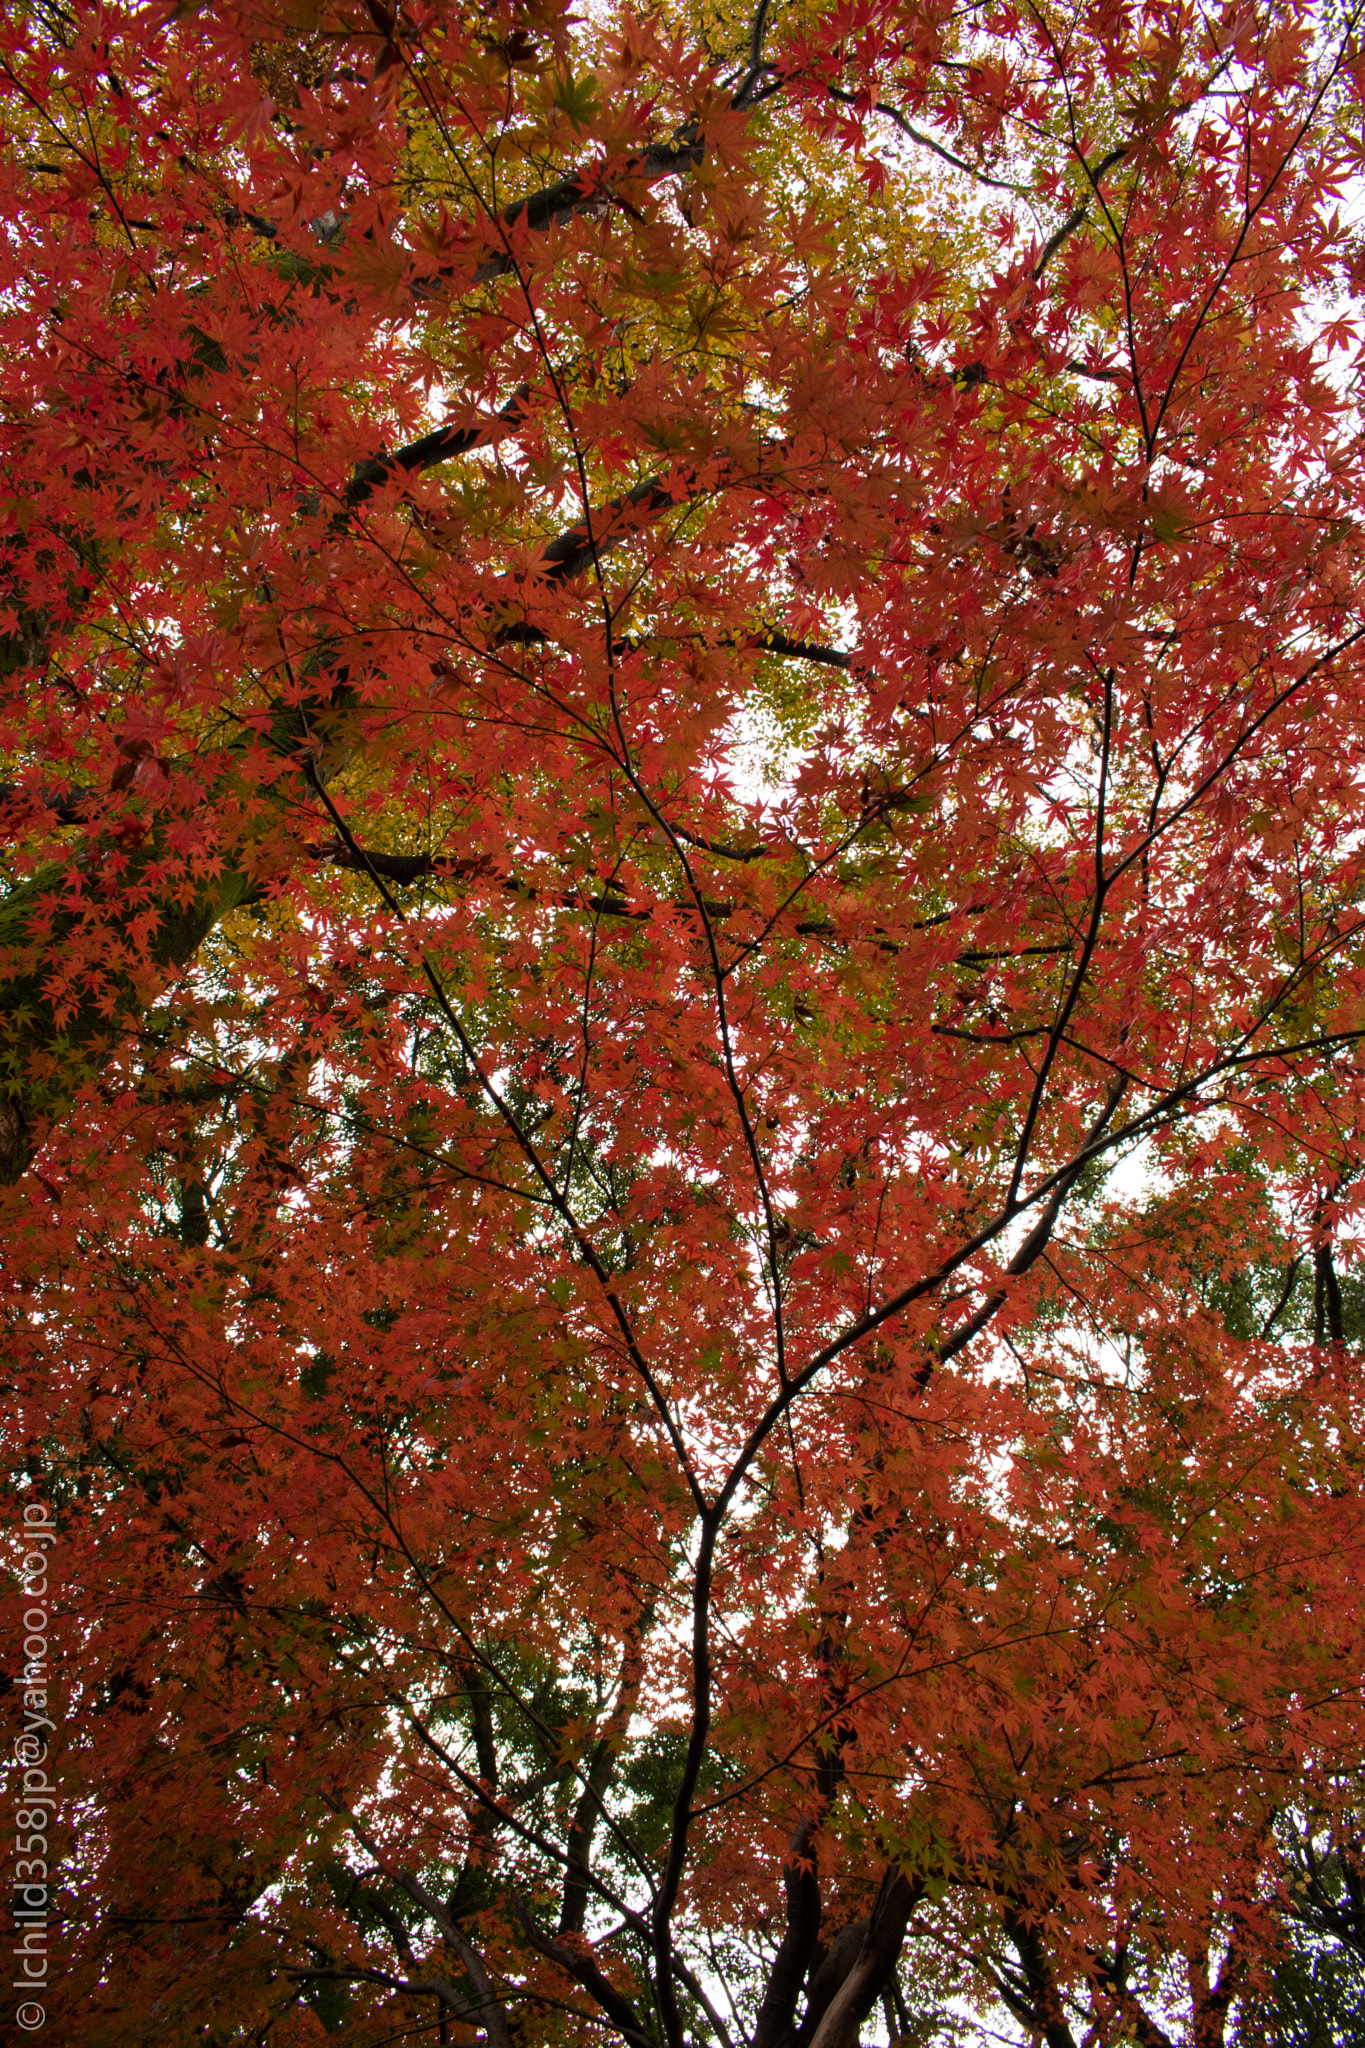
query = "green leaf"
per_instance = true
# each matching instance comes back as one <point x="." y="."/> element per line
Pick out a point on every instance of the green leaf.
<point x="578" y="98"/>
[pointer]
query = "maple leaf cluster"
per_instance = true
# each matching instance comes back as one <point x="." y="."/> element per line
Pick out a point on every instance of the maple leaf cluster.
<point x="682" y="1115"/>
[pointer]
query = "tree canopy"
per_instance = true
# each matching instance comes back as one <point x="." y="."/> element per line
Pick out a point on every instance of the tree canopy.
<point x="682" y="698"/>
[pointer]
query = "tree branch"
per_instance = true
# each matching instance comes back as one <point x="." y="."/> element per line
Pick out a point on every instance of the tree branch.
<point x="579" y="1965"/>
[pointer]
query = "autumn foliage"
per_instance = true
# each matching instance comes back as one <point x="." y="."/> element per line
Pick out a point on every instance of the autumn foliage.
<point x="681" y="1089"/>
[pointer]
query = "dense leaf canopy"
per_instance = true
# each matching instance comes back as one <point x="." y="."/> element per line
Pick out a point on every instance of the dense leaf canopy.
<point x="682" y="699"/>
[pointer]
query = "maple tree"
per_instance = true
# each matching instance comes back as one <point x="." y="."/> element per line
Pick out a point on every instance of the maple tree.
<point x="666" y="679"/>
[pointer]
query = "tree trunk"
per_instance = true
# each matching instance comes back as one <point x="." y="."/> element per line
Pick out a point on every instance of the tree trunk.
<point x="877" y="1959"/>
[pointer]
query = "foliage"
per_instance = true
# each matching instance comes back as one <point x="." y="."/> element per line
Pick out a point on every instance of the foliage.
<point x="666" y="679"/>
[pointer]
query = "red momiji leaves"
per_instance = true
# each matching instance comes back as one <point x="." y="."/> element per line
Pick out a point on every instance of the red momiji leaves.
<point x="639" y="746"/>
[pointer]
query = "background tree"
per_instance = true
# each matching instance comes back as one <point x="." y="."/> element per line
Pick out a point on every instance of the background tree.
<point x="665" y="680"/>
<point x="1319" y="1993"/>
